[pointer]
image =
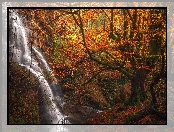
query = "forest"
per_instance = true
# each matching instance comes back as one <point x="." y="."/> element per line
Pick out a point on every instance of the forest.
<point x="111" y="59"/>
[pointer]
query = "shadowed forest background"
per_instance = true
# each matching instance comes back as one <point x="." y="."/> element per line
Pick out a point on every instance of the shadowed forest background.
<point x="113" y="60"/>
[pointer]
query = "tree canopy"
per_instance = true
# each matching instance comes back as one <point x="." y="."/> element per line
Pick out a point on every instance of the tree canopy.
<point x="118" y="55"/>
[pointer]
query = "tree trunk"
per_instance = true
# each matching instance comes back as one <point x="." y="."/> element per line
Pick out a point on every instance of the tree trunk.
<point x="125" y="24"/>
<point x="134" y="118"/>
<point x="133" y="97"/>
<point x="133" y="27"/>
<point x="138" y="92"/>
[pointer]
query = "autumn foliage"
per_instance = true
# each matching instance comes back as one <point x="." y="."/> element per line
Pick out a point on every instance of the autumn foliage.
<point x="104" y="56"/>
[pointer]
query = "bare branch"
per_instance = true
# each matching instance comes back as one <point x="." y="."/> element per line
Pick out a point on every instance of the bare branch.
<point x="106" y="15"/>
<point x="75" y="18"/>
<point x="105" y="68"/>
<point x="111" y="66"/>
<point x="128" y="12"/>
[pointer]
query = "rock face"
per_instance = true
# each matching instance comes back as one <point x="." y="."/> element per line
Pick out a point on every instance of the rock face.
<point x="77" y="114"/>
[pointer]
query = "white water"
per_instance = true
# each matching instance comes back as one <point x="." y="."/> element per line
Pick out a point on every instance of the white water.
<point x="51" y="104"/>
<point x="49" y="111"/>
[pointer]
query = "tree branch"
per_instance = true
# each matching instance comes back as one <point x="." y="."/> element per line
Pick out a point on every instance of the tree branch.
<point x="75" y="18"/>
<point x="105" y="68"/>
<point x="111" y="66"/>
<point x="106" y="15"/>
<point x="141" y="114"/>
<point x="129" y="15"/>
<point x="112" y="21"/>
<point x="157" y="78"/>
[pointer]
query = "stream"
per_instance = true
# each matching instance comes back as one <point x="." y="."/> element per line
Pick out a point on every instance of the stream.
<point x="20" y="51"/>
<point x="51" y="105"/>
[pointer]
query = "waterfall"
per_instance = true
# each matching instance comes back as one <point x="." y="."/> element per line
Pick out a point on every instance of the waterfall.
<point x="20" y="52"/>
<point x="52" y="108"/>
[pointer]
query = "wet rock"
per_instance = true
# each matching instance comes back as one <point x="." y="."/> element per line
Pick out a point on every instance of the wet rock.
<point x="78" y="114"/>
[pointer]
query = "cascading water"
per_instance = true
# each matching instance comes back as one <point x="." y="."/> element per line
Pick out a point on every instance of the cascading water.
<point x="52" y="108"/>
<point x="21" y="53"/>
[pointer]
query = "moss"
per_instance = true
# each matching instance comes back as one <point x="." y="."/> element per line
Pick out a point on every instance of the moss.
<point x="23" y="96"/>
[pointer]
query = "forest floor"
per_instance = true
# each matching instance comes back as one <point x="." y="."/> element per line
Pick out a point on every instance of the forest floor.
<point x="118" y="115"/>
<point x="23" y="103"/>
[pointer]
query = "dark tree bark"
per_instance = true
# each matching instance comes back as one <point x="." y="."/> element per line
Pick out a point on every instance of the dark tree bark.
<point x="112" y="20"/>
<point x="134" y="20"/>
<point x="138" y="92"/>
<point x="125" y="24"/>
<point x="138" y="77"/>
<point x="132" y="119"/>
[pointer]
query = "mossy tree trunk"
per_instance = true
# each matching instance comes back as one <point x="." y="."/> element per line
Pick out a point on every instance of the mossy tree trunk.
<point x="138" y="92"/>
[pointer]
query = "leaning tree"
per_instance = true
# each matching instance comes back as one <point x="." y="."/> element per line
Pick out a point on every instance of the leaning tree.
<point x="138" y="46"/>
